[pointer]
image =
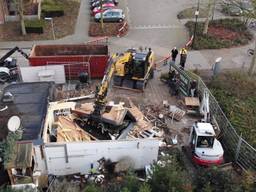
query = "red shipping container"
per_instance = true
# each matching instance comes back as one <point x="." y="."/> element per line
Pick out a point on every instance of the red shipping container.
<point x="77" y="58"/>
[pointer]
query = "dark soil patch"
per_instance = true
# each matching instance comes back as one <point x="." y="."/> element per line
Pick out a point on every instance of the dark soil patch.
<point x="223" y="33"/>
<point x="110" y="29"/>
<point x="63" y="26"/>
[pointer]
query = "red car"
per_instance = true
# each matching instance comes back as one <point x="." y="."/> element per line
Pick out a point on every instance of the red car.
<point x="105" y="7"/>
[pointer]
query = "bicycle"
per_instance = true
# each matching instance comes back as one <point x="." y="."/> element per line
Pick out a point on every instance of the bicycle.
<point x="250" y="52"/>
<point x="252" y="25"/>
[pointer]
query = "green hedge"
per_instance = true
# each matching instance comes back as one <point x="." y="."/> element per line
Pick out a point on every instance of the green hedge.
<point x="34" y="23"/>
<point x="34" y="26"/>
<point x="51" y="8"/>
<point x="211" y="42"/>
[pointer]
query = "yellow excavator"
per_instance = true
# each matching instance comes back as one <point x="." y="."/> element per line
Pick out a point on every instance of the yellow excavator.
<point x="131" y="69"/>
<point x="134" y="68"/>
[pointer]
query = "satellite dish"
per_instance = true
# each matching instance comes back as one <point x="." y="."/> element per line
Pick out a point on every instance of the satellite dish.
<point x="14" y="123"/>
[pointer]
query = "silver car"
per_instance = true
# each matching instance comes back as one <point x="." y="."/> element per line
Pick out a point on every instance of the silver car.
<point x="110" y="15"/>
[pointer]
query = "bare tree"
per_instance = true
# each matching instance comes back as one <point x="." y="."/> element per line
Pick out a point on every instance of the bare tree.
<point x="101" y="15"/>
<point x="207" y="20"/>
<point x="20" y="9"/>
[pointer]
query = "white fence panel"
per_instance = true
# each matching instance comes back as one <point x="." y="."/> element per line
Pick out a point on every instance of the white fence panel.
<point x="55" y="73"/>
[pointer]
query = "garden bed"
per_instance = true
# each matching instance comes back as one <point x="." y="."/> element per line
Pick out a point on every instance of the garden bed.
<point x="11" y="31"/>
<point x="110" y="29"/>
<point x="223" y="33"/>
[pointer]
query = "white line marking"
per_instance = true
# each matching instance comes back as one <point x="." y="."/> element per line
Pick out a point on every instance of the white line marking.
<point x="158" y="26"/>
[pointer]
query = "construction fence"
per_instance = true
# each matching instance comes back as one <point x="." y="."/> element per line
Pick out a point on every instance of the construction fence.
<point x="236" y="148"/>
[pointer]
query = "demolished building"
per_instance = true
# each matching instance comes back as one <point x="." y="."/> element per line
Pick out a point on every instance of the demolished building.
<point x="53" y="143"/>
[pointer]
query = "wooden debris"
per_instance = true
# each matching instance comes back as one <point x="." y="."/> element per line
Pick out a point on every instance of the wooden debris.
<point x="141" y="124"/>
<point x="115" y="115"/>
<point x="84" y="109"/>
<point x="192" y="101"/>
<point x="68" y="131"/>
<point x="176" y="113"/>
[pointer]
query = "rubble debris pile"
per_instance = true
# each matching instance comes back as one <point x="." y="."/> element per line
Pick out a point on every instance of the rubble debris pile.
<point x="68" y="131"/>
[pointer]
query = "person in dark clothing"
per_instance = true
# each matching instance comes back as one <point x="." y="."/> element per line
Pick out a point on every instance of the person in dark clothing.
<point x="174" y="83"/>
<point x="183" y="57"/>
<point x="174" y="53"/>
<point x="193" y="89"/>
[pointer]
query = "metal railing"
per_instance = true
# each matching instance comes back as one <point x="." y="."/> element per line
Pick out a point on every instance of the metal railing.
<point x="234" y="145"/>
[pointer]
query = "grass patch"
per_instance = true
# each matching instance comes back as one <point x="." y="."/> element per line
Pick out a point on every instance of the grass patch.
<point x="236" y="95"/>
<point x="190" y="13"/>
<point x="223" y="33"/>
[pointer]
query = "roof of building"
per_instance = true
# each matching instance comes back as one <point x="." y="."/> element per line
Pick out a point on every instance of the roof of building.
<point x="30" y="102"/>
<point x="204" y="129"/>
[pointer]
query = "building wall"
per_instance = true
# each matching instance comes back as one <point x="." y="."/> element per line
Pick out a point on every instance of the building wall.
<point x="71" y="158"/>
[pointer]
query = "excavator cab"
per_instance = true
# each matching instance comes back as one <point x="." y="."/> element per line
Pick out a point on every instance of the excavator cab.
<point x="140" y="65"/>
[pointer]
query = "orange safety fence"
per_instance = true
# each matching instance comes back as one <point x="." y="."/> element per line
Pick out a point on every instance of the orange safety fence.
<point x="163" y="61"/>
<point x="99" y="40"/>
<point x="122" y="29"/>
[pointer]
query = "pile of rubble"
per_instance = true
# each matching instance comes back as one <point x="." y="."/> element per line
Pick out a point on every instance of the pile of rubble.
<point x="126" y="121"/>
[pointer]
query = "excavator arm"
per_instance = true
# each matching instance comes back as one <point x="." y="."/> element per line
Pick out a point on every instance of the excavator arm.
<point x="102" y="91"/>
<point x="115" y="65"/>
<point x="9" y="53"/>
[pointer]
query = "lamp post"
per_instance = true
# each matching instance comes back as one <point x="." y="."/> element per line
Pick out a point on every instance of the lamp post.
<point x="51" y="19"/>
<point x="196" y="15"/>
<point x="213" y="10"/>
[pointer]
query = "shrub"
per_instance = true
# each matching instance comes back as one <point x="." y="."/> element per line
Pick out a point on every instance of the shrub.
<point x="215" y="180"/>
<point x="92" y="188"/>
<point x="170" y="177"/>
<point x="236" y="95"/>
<point x="34" y="26"/>
<point x="51" y="8"/>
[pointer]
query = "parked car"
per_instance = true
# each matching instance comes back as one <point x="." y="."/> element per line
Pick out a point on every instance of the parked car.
<point x="111" y="15"/>
<point x="97" y="3"/>
<point x="233" y="10"/>
<point x="246" y="6"/>
<point x="104" y="8"/>
<point x="103" y="1"/>
<point x="237" y="9"/>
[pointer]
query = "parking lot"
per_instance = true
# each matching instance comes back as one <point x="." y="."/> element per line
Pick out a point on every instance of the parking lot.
<point x="153" y="24"/>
